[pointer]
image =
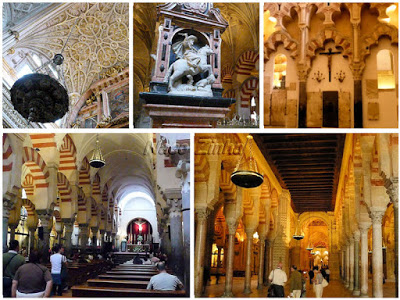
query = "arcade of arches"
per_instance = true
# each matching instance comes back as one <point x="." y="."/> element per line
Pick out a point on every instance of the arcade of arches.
<point x="331" y="65"/>
<point x="340" y="191"/>
<point x="138" y="202"/>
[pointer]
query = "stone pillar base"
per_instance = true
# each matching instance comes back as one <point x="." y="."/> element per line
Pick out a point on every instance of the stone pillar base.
<point x="247" y="291"/>
<point x="227" y="295"/>
<point x="356" y="293"/>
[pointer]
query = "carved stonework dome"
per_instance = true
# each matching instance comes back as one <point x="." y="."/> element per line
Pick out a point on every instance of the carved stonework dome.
<point x="39" y="98"/>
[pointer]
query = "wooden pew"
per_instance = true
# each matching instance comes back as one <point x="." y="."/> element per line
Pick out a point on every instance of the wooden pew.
<point x="125" y="277"/>
<point x="133" y="284"/>
<point x="91" y="291"/>
<point x="132" y="272"/>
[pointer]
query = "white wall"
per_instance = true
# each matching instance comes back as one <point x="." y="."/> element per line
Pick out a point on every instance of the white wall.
<point x="138" y="207"/>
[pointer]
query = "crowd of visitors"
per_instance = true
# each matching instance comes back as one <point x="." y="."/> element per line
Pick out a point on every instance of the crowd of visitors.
<point x="318" y="278"/>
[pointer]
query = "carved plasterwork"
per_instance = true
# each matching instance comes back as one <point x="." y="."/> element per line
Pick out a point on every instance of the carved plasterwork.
<point x="15" y="13"/>
<point x="99" y="40"/>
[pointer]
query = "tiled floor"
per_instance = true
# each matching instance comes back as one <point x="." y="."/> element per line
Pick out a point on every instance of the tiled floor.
<point x="333" y="290"/>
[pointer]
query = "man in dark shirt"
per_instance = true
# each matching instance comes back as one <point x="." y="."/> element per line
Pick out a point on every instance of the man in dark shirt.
<point x="311" y="275"/>
<point x="11" y="262"/>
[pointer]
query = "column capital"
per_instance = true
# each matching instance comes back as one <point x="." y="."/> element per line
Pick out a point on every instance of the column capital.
<point x="376" y="216"/>
<point x="175" y="207"/>
<point x="8" y="205"/>
<point x="232" y="226"/>
<point x="46" y="217"/>
<point x="102" y="231"/>
<point x="202" y="214"/>
<point x="364" y="227"/>
<point x="392" y="189"/>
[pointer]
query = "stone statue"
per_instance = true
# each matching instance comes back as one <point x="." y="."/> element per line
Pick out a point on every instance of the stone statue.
<point x="190" y="62"/>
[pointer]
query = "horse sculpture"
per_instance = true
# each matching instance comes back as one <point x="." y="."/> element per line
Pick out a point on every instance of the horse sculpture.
<point x="181" y="68"/>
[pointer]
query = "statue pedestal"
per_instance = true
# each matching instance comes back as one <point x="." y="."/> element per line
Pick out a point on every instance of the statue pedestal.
<point x="178" y="111"/>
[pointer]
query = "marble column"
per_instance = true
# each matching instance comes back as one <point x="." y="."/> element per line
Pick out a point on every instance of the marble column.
<point x="175" y="220"/>
<point x="342" y="260"/>
<point x="229" y="261"/>
<point x="186" y="228"/>
<point x="59" y="236"/>
<point x="261" y="263"/>
<point x="247" y="275"/>
<point x="94" y="237"/>
<point x="219" y="263"/>
<point x="46" y="219"/>
<point x="377" y="255"/>
<point x="84" y="233"/>
<point x="364" y="259"/>
<point x="267" y="261"/>
<point x="351" y="273"/>
<point x="347" y="282"/>
<point x="356" y="291"/>
<point x="7" y="207"/>
<point x="201" y="231"/>
<point x="12" y="231"/>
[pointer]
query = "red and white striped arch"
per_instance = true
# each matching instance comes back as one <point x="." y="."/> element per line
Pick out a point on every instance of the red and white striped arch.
<point x="246" y="63"/>
<point x="29" y="206"/>
<point x="104" y="196"/>
<point x="227" y="74"/>
<point x="84" y="176"/>
<point x="64" y="188"/>
<point x="29" y="186"/>
<point x="246" y="91"/>
<point x="229" y="94"/>
<point x="7" y="154"/>
<point x="96" y="185"/>
<point x="37" y="167"/>
<point x="67" y="155"/>
<point x="43" y="140"/>
<point x="94" y="208"/>
<point x="81" y="200"/>
<point x="57" y="215"/>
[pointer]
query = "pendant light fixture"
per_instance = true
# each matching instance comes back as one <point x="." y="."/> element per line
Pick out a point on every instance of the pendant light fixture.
<point x="97" y="161"/>
<point x="249" y="178"/>
<point x="298" y="235"/>
<point x="309" y="246"/>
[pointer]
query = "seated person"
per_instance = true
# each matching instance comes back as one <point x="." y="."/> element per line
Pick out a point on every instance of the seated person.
<point x="137" y="260"/>
<point x="147" y="262"/>
<point x="164" y="281"/>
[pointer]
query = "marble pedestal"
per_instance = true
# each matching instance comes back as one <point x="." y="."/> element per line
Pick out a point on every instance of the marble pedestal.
<point x="179" y="111"/>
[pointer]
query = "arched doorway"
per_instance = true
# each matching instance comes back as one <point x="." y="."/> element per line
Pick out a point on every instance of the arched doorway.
<point x="139" y="232"/>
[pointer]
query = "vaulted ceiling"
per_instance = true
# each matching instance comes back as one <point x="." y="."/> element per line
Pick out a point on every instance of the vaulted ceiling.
<point x="308" y="165"/>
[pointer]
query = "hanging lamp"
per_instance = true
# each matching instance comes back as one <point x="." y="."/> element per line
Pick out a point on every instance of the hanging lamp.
<point x="247" y="178"/>
<point x="97" y="161"/>
<point x="298" y="235"/>
<point x="309" y="246"/>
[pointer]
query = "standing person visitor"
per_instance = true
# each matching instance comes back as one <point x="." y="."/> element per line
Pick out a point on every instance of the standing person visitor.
<point x="296" y="282"/>
<point x="278" y="279"/>
<point x="11" y="262"/>
<point x="311" y="275"/>
<point x="318" y="288"/>
<point x="32" y="280"/>
<point x="57" y="261"/>
<point x="328" y="273"/>
<point x="164" y="281"/>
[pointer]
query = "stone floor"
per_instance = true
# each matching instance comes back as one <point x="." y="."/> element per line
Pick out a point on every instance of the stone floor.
<point x="335" y="289"/>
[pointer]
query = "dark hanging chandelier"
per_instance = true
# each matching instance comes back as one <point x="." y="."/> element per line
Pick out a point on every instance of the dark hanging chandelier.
<point x="97" y="161"/>
<point x="298" y="235"/>
<point x="247" y="178"/>
<point x="39" y="98"/>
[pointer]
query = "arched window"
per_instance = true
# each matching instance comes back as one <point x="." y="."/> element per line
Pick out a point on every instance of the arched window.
<point x="385" y="62"/>
<point x="280" y="64"/>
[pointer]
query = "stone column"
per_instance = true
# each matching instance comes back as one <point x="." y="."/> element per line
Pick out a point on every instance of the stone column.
<point x="219" y="260"/>
<point x="377" y="255"/>
<point x="261" y="263"/>
<point x="351" y="254"/>
<point x="175" y="220"/>
<point x="102" y="232"/>
<point x="12" y="231"/>
<point x="229" y="261"/>
<point x="31" y="245"/>
<point x="249" y="246"/>
<point x="186" y="227"/>
<point x="201" y="231"/>
<point x="46" y="219"/>
<point x="342" y="260"/>
<point x="364" y="259"/>
<point x="347" y="282"/>
<point x="94" y="237"/>
<point x="69" y="228"/>
<point x="84" y="233"/>
<point x="392" y="187"/>
<point x="356" y="291"/>
<point x="357" y="74"/>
